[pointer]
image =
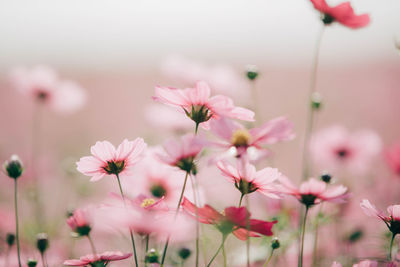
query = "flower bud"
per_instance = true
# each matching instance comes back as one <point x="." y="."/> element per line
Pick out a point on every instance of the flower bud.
<point x="31" y="263"/>
<point x="327" y="19"/>
<point x="326" y="177"/>
<point x="13" y="167"/>
<point x="152" y="256"/>
<point x="316" y="101"/>
<point x="275" y="243"/>
<point x="251" y="72"/>
<point x="356" y="235"/>
<point x="184" y="253"/>
<point x="10" y="238"/>
<point x="42" y="242"/>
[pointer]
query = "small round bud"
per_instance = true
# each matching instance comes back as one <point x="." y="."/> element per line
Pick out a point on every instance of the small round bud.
<point x="327" y="19"/>
<point x="31" y="263"/>
<point x="42" y="242"/>
<point x="316" y="101"/>
<point x="184" y="253"/>
<point x="275" y="243"/>
<point x="356" y="235"/>
<point x="326" y="177"/>
<point x="152" y="256"/>
<point x="10" y="238"/>
<point x="13" y="167"/>
<point x="251" y="72"/>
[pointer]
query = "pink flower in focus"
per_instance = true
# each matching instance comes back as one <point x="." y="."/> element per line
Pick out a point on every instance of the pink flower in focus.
<point x="103" y="258"/>
<point x="181" y="153"/>
<point x="247" y="179"/>
<point x="313" y="191"/>
<point x="334" y="148"/>
<point x="392" y="156"/>
<point x="232" y="220"/>
<point x="392" y="221"/>
<point x="43" y="85"/>
<point x="106" y="160"/>
<point x="199" y="106"/>
<point x="79" y="222"/>
<point x="342" y="13"/>
<point x="366" y="263"/>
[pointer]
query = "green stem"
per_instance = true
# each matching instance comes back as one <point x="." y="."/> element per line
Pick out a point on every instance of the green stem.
<point x="269" y="258"/>
<point x="248" y="230"/>
<point x="194" y="188"/>
<point x="240" y="201"/>
<point x="92" y="245"/>
<point x="147" y="242"/>
<point x="315" y="256"/>
<point x="218" y="250"/>
<point x="130" y="231"/>
<point x="391" y="246"/>
<point x="176" y="213"/>
<point x="311" y="110"/>
<point x="196" y="128"/>
<point x="44" y="263"/>
<point x="16" y="220"/>
<point x="303" y="230"/>
<point x="224" y="254"/>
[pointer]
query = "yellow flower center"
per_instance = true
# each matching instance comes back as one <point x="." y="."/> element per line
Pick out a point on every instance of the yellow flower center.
<point x="240" y="137"/>
<point x="147" y="202"/>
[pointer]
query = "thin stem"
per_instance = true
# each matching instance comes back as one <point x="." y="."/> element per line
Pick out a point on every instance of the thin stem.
<point x="16" y="220"/>
<point x="147" y="242"/>
<point x="92" y="245"/>
<point x="391" y="246"/>
<point x="311" y="110"/>
<point x="240" y="201"/>
<point x="247" y="230"/>
<point x="130" y="231"/>
<point x="303" y="229"/>
<point x="194" y="188"/>
<point x="218" y="250"/>
<point x="176" y="213"/>
<point x="269" y="258"/>
<point x="315" y="256"/>
<point x="224" y="254"/>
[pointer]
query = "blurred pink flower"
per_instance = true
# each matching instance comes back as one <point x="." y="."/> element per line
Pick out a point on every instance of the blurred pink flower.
<point x="247" y="179"/>
<point x="366" y="263"/>
<point x="392" y="156"/>
<point x="342" y="13"/>
<point x="392" y="221"/>
<point x="103" y="258"/>
<point x="80" y="222"/>
<point x="199" y="106"/>
<point x="334" y="148"/>
<point x="106" y="159"/>
<point x="232" y="220"/>
<point x="235" y="135"/>
<point x="43" y="85"/>
<point x="313" y="191"/>
<point x="336" y="264"/>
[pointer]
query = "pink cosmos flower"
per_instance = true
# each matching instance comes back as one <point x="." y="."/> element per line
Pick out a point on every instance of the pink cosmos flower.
<point x="342" y="13"/>
<point x="232" y="220"/>
<point x="79" y="222"/>
<point x="94" y="260"/>
<point x="106" y="160"/>
<point x="366" y="263"/>
<point x="335" y="148"/>
<point x="235" y="135"/>
<point x="392" y="156"/>
<point x="392" y="221"/>
<point x="181" y="153"/>
<point x="199" y="106"/>
<point x="313" y="191"/>
<point x="247" y="179"/>
<point x="43" y="84"/>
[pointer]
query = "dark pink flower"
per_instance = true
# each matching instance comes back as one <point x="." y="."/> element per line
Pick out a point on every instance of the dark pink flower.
<point x="94" y="260"/>
<point x="392" y="220"/>
<point x="342" y="13"/>
<point x="199" y="106"/>
<point x="107" y="160"/>
<point x="392" y="156"/>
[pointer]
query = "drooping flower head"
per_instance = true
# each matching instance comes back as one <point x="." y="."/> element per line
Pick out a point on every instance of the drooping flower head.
<point x="313" y="191"/>
<point x="392" y="220"/>
<point x="232" y="220"/>
<point x="98" y="260"/>
<point x="342" y="13"/>
<point x="79" y="222"/>
<point x="199" y="106"/>
<point x="106" y="160"/>
<point x="248" y="180"/>
<point x="392" y="156"/>
<point x="235" y="135"/>
<point x="182" y="153"/>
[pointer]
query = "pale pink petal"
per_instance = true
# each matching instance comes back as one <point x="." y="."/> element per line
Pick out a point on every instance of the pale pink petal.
<point x="371" y="210"/>
<point x="104" y="151"/>
<point x="171" y="96"/>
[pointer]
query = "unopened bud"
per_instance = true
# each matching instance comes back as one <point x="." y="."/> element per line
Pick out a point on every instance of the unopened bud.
<point x="152" y="256"/>
<point x="326" y="177"/>
<point x="13" y="167"/>
<point x="316" y="100"/>
<point x="275" y="243"/>
<point x="10" y="238"/>
<point x="251" y="72"/>
<point x="42" y="242"/>
<point x="31" y="263"/>
<point x="184" y="253"/>
<point x="327" y="19"/>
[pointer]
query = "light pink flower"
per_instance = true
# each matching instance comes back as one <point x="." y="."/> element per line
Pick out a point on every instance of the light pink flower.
<point x="313" y="191"/>
<point x="392" y="156"/>
<point x="104" y="258"/>
<point x="107" y="160"/>
<point x="80" y="222"/>
<point x="43" y="84"/>
<point x="247" y="179"/>
<point x="392" y="221"/>
<point x="235" y="135"/>
<point x="199" y="106"/>
<point x="366" y="263"/>
<point x="335" y="148"/>
<point x="342" y="13"/>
